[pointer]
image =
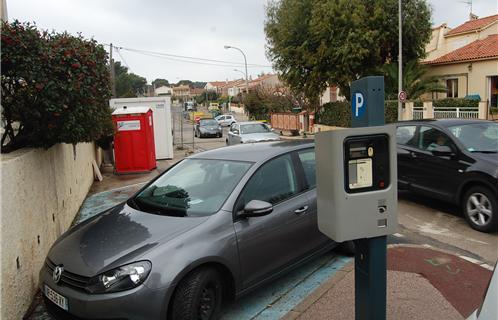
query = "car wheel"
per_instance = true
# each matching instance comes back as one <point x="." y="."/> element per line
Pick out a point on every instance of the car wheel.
<point x="198" y="296"/>
<point x="195" y="133"/>
<point x="220" y="135"/>
<point x="480" y="208"/>
<point x="226" y="141"/>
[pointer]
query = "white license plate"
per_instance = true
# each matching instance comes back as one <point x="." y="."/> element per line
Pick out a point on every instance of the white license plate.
<point x="56" y="298"/>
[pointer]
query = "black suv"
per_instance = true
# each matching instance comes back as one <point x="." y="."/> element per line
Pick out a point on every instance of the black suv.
<point x="454" y="160"/>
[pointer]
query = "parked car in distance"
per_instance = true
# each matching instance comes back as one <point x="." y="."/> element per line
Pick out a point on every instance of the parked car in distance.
<point x="208" y="128"/>
<point x="250" y="131"/>
<point x="215" y="225"/>
<point x="454" y="160"/>
<point x="226" y="119"/>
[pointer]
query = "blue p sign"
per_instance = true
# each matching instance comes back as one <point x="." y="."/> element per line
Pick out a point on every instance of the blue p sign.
<point x="359" y="105"/>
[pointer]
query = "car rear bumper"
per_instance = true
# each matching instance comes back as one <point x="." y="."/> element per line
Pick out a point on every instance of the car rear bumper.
<point x="138" y="303"/>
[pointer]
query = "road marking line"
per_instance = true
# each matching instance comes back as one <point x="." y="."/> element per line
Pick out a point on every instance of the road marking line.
<point x="399" y="235"/>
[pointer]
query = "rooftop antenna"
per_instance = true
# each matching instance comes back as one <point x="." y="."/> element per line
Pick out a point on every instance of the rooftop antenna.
<point x="469" y="3"/>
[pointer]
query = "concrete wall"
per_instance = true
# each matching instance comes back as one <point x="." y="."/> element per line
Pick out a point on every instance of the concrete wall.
<point x="41" y="191"/>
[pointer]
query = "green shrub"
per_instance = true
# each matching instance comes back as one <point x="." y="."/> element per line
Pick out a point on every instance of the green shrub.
<point x="339" y="113"/>
<point x="455" y="103"/>
<point x="335" y="114"/>
<point x="55" y="88"/>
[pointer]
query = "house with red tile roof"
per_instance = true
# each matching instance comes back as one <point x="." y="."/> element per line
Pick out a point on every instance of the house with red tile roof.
<point x="466" y="59"/>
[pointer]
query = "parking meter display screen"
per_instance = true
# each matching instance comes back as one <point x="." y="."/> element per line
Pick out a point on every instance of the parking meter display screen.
<point x="360" y="173"/>
<point x="366" y="163"/>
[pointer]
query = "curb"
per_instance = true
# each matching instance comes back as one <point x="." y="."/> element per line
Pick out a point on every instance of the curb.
<point x="314" y="296"/>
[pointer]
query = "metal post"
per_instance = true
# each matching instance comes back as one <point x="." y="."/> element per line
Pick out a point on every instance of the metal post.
<point x="193" y="136"/>
<point x="371" y="253"/>
<point x="181" y="132"/>
<point x="400" y="59"/>
<point x="245" y="63"/>
<point x="111" y="72"/>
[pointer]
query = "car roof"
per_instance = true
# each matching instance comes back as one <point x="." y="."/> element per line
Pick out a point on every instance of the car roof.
<point x="443" y="122"/>
<point x="254" y="152"/>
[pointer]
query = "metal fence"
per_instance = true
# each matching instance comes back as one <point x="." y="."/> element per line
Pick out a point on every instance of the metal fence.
<point x="448" y="113"/>
<point x="464" y="113"/>
<point x="418" y="113"/>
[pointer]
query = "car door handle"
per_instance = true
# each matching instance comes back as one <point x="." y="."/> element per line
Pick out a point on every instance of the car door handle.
<point x="301" y="210"/>
<point x="413" y="154"/>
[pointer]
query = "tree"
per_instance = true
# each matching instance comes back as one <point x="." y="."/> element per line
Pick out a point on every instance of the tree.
<point x="314" y="43"/>
<point x="160" y="82"/>
<point x="184" y="82"/>
<point x="415" y="83"/>
<point x="55" y="88"/>
<point x="129" y="85"/>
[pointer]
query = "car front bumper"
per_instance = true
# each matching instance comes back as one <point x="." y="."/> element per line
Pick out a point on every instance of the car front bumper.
<point x="138" y="303"/>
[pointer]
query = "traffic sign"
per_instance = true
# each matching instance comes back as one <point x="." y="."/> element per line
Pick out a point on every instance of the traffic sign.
<point x="402" y="96"/>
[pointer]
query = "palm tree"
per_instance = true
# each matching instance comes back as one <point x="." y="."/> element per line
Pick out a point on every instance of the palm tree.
<point x="414" y="82"/>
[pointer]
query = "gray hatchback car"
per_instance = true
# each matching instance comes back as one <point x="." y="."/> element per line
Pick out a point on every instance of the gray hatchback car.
<point x="213" y="227"/>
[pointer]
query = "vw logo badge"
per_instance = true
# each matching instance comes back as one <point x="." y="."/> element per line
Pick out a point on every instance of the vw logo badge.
<point x="56" y="275"/>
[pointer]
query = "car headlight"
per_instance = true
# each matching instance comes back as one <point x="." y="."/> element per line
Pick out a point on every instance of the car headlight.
<point x="123" y="278"/>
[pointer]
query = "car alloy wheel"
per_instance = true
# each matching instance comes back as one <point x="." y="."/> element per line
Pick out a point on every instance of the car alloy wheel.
<point x="480" y="209"/>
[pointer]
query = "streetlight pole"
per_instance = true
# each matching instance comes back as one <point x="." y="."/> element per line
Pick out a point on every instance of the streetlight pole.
<point x="400" y="59"/>
<point x="245" y="63"/>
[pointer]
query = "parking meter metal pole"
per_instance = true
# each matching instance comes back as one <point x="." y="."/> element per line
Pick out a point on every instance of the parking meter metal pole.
<point x="371" y="253"/>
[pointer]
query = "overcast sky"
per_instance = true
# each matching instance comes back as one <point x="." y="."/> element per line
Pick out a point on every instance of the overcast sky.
<point x="186" y="28"/>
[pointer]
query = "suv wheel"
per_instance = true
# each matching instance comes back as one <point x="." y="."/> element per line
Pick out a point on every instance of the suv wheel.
<point x="480" y="208"/>
<point x="198" y="296"/>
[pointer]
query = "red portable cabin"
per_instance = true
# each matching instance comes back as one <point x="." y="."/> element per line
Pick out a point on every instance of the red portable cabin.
<point x="134" y="149"/>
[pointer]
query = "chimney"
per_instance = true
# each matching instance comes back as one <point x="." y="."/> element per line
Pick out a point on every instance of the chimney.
<point x="473" y="17"/>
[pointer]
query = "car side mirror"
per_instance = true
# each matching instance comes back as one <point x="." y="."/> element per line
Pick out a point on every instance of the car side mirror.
<point x="442" y="151"/>
<point x="256" y="208"/>
<point x="235" y="131"/>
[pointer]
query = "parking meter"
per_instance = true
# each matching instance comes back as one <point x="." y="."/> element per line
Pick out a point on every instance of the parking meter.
<point x="357" y="182"/>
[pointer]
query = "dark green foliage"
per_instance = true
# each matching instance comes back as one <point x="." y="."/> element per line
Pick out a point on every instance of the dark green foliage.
<point x="455" y="103"/>
<point x="335" y="114"/>
<point x="314" y="43"/>
<point x="160" y="82"/>
<point x="128" y="85"/>
<point x="261" y="103"/>
<point x="55" y="88"/>
<point x="391" y="111"/>
<point x="415" y="83"/>
<point x="212" y="96"/>
<point x="339" y="113"/>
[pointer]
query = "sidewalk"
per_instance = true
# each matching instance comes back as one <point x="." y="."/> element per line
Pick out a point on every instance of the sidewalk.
<point x="422" y="283"/>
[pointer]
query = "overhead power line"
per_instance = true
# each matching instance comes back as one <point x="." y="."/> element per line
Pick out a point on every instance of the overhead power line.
<point x="194" y="60"/>
<point x="123" y="59"/>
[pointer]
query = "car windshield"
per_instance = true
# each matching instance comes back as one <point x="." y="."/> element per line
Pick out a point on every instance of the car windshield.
<point x="209" y="122"/>
<point x="477" y="137"/>
<point x="254" y="128"/>
<point x="194" y="188"/>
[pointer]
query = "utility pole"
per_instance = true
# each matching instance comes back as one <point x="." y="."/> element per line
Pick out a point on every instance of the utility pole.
<point x="400" y="60"/>
<point x="111" y="71"/>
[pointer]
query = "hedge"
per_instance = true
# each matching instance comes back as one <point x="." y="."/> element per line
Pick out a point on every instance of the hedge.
<point x="55" y="88"/>
<point x="339" y="113"/>
<point x="455" y="103"/>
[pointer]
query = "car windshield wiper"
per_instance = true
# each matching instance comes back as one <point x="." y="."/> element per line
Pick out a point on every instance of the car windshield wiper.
<point x="133" y="203"/>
